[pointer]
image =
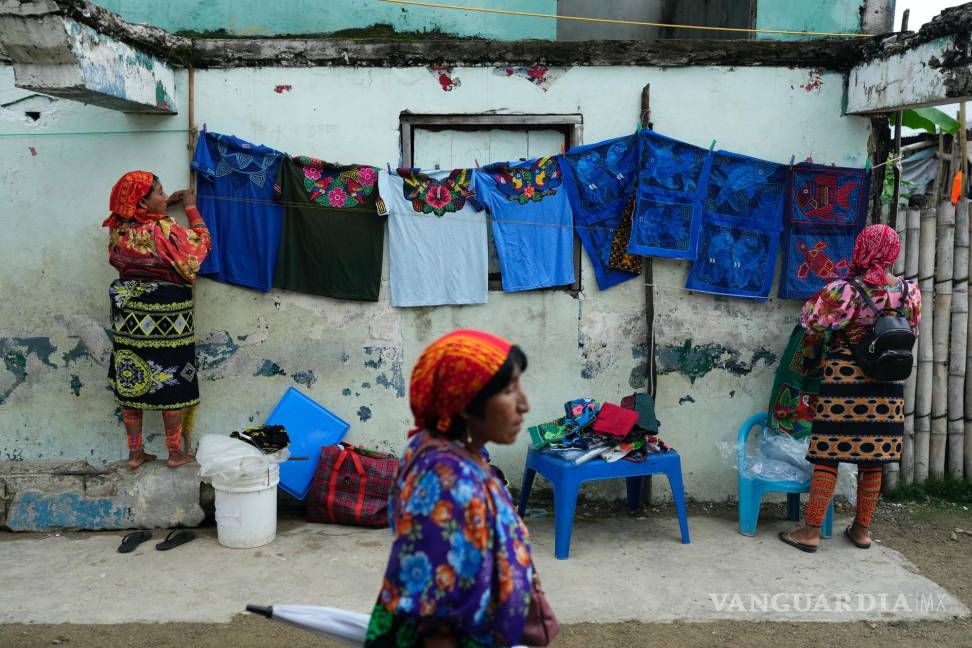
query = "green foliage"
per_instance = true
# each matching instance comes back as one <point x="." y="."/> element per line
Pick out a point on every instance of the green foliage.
<point x="928" y="119"/>
<point x="946" y="490"/>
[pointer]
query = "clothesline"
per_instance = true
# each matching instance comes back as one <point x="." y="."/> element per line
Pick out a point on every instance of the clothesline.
<point x="617" y="21"/>
<point x="125" y="132"/>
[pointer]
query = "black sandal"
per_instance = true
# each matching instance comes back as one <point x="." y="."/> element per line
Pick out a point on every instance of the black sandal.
<point x="785" y="537"/>
<point x="132" y="540"/>
<point x="859" y="545"/>
<point x="175" y="538"/>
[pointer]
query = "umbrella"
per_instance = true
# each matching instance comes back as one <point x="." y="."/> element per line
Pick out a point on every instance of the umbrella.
<point x="343" y="626"/>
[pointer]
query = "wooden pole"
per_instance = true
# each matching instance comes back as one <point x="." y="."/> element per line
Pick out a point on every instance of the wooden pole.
<point x="944" y="256"/>
<point x="189" y="414"/>
<point x="907" y="468"/>
<point x="958" y="353"/>
<point x="644" y="121"/>
<point x="896" y="168"/>
<point x="923" y="390"/>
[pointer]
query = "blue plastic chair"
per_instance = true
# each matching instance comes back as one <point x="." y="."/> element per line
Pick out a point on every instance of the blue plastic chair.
<point x="566" y="478"/>
<point x="752" y="489"/>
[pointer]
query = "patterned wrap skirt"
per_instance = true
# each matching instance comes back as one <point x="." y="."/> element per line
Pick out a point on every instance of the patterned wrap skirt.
<point x="153" y="361"/>
<point x="857" y="419"/>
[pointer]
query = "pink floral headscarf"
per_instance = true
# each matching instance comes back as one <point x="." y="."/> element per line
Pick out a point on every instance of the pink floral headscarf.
<point x="876" y="248"/>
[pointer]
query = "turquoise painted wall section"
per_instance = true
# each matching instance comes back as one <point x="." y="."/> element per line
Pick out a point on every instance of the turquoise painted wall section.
<point x="842" y="16"/>
<point x="261" y="18"/>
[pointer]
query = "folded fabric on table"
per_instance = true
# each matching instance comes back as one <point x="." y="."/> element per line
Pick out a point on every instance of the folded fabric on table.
<point x="581" y="412"/>
<point x="644" y="405"/>
<point x="614" y="421"/>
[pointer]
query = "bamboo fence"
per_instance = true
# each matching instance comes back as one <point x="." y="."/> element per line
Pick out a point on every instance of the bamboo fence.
<point x="959" y="343"/>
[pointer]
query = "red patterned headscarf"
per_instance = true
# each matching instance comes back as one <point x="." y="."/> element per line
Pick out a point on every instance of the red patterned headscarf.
<point x="123" y="203"/>
<point x="449" y="374"/>
<point x="876" y="248"/>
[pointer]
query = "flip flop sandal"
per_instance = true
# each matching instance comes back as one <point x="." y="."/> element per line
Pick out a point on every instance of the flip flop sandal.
<point x="785" y="537"/>
<point x="132" y="540"/>
<point x="859" y="545"/>
<point x="175" y="538"/>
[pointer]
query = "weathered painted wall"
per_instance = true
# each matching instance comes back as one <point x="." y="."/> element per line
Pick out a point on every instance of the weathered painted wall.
<point x="840" y="16"/>
<point x="261" y="18"/>
<point x="715" y="355"/>
<point x="255" y="17"/>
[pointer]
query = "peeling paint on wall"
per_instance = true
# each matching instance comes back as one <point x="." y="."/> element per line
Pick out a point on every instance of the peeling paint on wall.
<point x="696" y="361"/>
<point x="215" y="349"/>
<point x="76" y="384"/>
<point x="364" y="413"/>
<point x="389" y="359"/>
<point x="443" y="74"/>
<point x="305" y="378"/>
<point x="269" y="369"/>
<point x="15" y="352"/>
<point x="541" y="76"/>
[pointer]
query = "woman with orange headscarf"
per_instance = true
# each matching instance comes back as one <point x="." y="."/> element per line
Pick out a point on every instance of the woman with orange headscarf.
<point x="460" y="572"/>
<point x="857" y="419"/>
<point x="153" y="360"/>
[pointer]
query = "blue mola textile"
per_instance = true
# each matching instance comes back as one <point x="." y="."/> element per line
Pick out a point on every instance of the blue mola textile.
<point x="741" y="224"/>
<point x="826" y="209"/>
<point x="600" y="179"/>
<point x="734" y="259"/>
<point x="672" y="178"/>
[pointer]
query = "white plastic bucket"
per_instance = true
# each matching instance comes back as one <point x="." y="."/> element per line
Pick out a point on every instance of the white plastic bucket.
<point x="246" y="510"/>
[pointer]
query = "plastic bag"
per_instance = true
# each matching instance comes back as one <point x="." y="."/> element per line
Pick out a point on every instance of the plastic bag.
<point x="231" y="459"/>
<point x="779" y="457"/>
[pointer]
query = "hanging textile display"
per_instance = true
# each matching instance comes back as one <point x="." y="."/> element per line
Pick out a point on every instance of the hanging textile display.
<point x="235" y="196"/>
<point x="437" y="245"/>
<point x="741" y="224"/>
<point x="795" y="387"/>
<point x="600" y="179"/>
<point x="532" y="222"/>
<point x="826" y="209"/>
<point x="333" y="236"/>
<point x="672" y="178"/>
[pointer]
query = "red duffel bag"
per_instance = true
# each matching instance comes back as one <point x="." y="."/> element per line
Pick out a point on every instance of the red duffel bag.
<point x="352" y="486"/>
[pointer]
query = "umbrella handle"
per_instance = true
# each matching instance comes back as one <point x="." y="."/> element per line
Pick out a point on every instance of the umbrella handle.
<point x="262" y="610"/>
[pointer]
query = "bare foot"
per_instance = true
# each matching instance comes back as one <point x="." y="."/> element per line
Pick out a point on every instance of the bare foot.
<point x="179" y="458"/>
<point x="859" y="534"/>
<point x="806" y="535"/>
<point x="137" y="457"/>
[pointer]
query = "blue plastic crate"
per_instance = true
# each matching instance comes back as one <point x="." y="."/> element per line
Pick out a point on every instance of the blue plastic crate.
<point x="310" y="426"/>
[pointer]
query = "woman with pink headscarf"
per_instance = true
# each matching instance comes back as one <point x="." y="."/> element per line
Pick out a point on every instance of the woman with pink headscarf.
<point x="857" y="419"/>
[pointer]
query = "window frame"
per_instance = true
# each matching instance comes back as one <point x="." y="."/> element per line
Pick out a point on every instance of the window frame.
<point x="571" y="125"/>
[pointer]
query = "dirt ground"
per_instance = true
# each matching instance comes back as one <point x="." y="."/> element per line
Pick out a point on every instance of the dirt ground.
<point x="923" y="533"/>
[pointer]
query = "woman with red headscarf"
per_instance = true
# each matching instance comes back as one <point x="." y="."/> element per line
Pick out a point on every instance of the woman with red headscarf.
<point x="857" y="419"/>
<point x="460" y="572"/>
<point x="153" y="361"/>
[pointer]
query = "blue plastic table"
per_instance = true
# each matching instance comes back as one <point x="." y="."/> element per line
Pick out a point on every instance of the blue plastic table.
<point x="566" y="478"/>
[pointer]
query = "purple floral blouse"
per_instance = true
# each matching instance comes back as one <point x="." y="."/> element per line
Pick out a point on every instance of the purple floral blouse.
<point x="460" y="561"/>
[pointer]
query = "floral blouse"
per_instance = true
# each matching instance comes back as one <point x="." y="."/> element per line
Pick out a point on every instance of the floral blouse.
<point x="460" y="562"/>
<point x="838" y="306"/>
<point x="160" y="250"/>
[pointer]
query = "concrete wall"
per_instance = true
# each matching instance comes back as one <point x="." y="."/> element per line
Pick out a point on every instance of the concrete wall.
<point x="256" y="17"/>
<point x="840" y="16"/>
<point x="715" y="355"/>
<point x="261" y="18"/>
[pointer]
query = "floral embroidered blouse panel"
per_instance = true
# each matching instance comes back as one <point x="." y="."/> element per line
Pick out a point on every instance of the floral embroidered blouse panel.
<point x="461" y="556"/>
<point x="838" y="306"/>
<point x="160" y="250"/>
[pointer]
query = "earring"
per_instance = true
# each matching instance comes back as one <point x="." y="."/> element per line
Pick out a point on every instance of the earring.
<point x="468" y="438"/>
